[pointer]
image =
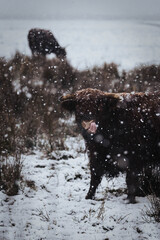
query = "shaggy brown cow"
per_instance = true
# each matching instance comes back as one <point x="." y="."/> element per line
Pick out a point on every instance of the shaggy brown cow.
<point x="43" y="42"/>
<point x="121" y="131"/>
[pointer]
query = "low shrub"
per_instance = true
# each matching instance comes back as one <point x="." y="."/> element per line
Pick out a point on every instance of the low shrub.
<point x="10" y="174"/>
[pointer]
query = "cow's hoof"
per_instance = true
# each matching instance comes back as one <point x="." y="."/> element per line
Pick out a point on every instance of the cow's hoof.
<point x="89" y="196"/>
<point x="131" y="199"/>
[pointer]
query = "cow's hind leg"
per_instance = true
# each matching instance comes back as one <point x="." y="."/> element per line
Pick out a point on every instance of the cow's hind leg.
<point x="131" y="180"/>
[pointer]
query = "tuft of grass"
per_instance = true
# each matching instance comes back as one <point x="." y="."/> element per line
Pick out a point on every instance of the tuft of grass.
<point x="152" y="211"/>
<point x="30" y="184"/>
<point x="10" y="175"/>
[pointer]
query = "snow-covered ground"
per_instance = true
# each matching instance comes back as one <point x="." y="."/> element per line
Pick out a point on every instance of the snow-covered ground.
<point x="54" y="208"/>
<point x="90" y="42"/>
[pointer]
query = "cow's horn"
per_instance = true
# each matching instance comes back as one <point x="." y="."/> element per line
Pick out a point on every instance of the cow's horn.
<point x="113" y="95"/>
<point x="67" y="97"/>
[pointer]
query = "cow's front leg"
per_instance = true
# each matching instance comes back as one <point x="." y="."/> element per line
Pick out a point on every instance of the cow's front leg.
<point x="95" y="181"/>
<point x="96" y="169"/>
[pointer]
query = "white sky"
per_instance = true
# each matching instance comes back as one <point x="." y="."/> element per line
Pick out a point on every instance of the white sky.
<point x="80" y="8"/>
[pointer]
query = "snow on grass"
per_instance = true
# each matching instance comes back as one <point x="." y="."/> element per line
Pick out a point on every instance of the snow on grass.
<point x="52" y="204"/>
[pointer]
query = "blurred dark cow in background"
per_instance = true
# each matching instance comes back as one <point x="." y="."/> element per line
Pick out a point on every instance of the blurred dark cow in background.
<point x="121" y="131"/>
<point x="43" y="42"/>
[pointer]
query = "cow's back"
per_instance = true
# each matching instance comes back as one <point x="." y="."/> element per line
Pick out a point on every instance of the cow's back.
<point x="41" y="41"/>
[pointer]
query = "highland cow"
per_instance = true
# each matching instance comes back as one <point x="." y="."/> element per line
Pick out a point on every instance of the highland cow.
<point x="121" y="131"/>
<point x="42" y="42"/>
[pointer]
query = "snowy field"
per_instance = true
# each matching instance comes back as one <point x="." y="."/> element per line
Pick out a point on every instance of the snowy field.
<point x="54" y="207"/>
<point x="89" y="43"/>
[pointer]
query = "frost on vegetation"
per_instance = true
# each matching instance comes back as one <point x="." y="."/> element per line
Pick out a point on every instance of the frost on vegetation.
<point x="27" y="93"/>
<point x="17" y="86"/>
<point x="37" y="83"/>
<point x="10" y="68"/>
<point x="67" y="121"/>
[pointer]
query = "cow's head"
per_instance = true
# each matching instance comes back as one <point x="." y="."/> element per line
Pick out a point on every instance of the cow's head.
<point x="89" y="106"/>
<point x="61" y="52"/>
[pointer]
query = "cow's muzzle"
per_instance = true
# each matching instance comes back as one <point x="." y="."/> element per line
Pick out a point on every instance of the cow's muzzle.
<point x="90" y="126"/>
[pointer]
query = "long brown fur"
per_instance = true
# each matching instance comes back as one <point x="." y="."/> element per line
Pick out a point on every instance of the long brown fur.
<point x="127" y="137"/>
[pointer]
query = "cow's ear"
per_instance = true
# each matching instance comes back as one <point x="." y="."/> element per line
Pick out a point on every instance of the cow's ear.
<point x="68" y="102"/>
<point x="111" y="99"/>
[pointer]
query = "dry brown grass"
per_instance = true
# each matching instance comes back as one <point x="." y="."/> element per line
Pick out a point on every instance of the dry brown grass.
<point x="29" y="99"/>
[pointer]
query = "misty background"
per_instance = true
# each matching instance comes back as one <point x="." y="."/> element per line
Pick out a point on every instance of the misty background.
<point x="126" y="32"/>
<point x="80" y="9"/>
